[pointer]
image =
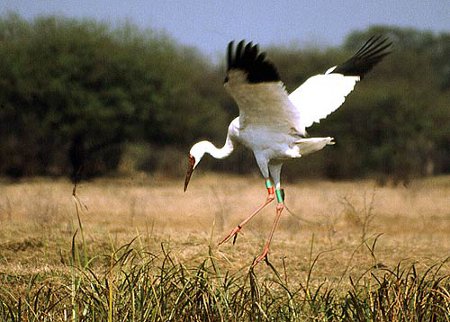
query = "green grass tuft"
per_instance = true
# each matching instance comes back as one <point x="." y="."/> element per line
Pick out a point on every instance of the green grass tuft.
<point x="131" y="284"/>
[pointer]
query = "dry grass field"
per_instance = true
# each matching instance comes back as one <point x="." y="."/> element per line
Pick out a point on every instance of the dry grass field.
<point x="337" y="235"/>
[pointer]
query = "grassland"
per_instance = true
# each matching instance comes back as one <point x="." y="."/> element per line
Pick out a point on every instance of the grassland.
<point x="139" y="249"/>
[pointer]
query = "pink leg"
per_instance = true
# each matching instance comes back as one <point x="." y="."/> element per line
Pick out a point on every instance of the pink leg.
<point x="280" y="207"/>
<point x="237" y="229"/>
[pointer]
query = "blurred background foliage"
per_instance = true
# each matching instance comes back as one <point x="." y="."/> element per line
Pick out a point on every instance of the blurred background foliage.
<point x="79" y="98"/>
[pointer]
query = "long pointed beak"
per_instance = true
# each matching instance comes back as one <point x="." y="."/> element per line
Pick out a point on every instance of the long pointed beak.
<point x="189" y="171"/>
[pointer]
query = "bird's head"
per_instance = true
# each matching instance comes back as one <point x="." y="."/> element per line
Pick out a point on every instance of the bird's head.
<point x="195" y="155"/>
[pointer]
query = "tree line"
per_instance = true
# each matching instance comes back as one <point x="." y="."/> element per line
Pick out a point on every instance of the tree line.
<point x="79" y="98"/>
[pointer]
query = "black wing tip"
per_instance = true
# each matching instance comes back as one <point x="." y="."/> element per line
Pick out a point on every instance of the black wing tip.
<point x="373" y="42"/>
<point x="371" y="53"/>
<point x="376" y="46"/>
<point x="250" y="60"/>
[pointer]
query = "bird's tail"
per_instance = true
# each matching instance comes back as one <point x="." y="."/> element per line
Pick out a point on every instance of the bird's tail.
<point x="310" y="145"/>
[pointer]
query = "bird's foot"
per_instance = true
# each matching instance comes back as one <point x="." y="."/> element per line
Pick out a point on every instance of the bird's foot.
<point x="237" y="229"/>
<point x="261" y="257"/>
<point x="233" y="234"/>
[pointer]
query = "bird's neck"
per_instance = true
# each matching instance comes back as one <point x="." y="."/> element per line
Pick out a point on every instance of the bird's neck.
<point x="218" y="153"/>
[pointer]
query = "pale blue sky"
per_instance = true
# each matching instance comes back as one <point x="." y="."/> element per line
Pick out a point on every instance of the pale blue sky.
<point x="209" y="25"/>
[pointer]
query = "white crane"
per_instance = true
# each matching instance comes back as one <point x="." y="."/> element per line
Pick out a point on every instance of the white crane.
<point x="272" y="123"/>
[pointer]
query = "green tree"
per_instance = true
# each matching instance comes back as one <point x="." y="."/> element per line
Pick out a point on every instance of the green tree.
<point x="74" y="92"/>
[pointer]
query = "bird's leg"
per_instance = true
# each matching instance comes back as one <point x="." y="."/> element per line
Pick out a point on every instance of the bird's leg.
<point x="280" y="206"/>
<point x="269" y="199"/>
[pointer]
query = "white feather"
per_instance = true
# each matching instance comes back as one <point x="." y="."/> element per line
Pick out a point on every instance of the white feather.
<point x="321" y="95"/>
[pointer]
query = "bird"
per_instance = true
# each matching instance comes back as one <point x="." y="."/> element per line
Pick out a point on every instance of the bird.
<point x="272" y="123"/>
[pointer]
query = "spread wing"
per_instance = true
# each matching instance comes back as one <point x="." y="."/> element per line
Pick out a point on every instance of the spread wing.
<point x="321" y="95"/>
<point x="254" y="83"/>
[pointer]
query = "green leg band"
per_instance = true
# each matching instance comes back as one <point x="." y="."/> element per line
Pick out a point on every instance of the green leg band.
<point x="280" y="195"/>
<point x="269" y="183"/>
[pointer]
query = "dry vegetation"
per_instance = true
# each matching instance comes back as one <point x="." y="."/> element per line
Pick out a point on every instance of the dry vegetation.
<point x="339" y="235"/>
